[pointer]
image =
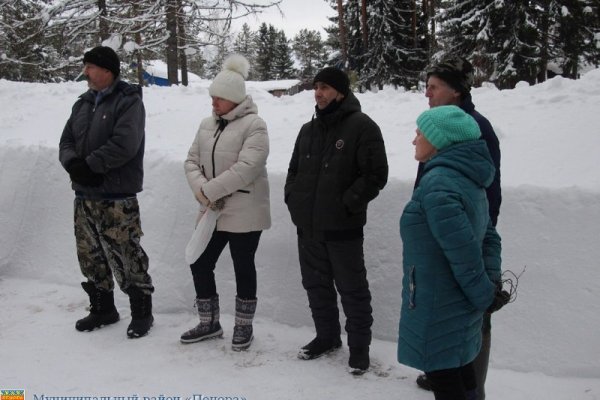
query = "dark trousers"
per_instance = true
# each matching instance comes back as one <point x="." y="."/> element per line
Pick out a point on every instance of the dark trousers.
<point x="326" y="266"/>
<point x="242" y="247"/>
<point x="454" y="383"/>
<point x="481" y="362"/>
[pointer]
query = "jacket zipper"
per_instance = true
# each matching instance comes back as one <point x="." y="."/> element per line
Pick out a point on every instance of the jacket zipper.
<point x="217" y="135"/>
<point x="412" y="288"/>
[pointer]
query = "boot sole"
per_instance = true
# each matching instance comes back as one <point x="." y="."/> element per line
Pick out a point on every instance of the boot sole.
<point x="214" y="335"/>
<point x="357" y="371"/>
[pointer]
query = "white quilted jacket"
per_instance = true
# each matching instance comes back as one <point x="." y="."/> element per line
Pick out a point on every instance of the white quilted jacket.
<point x="231" y="164"/>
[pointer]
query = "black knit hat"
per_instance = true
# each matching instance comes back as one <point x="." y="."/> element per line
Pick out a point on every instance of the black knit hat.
<point x="334" y="77"/>
<point x="104" y="57"/>
<point x="457" y="72"/>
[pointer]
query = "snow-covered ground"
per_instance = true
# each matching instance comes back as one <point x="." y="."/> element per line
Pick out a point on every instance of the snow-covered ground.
<point x="545" y="345"/>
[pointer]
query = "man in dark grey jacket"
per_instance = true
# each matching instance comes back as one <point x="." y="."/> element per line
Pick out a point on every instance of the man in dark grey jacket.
<point x="338" y="166"/>
<point x="102" y="149"/>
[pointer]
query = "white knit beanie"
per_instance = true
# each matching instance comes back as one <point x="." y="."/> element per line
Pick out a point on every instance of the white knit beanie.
<point x="229" y="84"/>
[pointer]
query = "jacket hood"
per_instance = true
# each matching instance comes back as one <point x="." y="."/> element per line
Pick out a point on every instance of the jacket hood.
<point x="350" y="104"/>
<point x="247" y="106"/>
<point x="472" y="159"/>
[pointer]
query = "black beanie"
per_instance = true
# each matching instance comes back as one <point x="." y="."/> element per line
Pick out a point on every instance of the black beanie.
<point x="104" y="57"/>
<point x="457" y="72"/>
<point x="334" y="77"/>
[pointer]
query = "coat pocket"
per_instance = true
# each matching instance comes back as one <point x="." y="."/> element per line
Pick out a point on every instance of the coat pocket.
<point x="300" y="208"/>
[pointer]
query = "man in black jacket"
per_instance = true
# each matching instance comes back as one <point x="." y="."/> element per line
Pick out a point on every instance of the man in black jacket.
<point x="449" y="83"/>
<point x="338" y="166"/>
<point x="102" y="149"/>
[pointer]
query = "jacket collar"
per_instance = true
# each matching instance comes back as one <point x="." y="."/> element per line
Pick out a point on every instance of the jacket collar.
<point x="247" y="106"/>
<point x="348" y="105"/>
<point x="90" y="95"/>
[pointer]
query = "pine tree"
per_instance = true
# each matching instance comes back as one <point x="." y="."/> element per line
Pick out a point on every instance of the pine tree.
<point x="25" y="54"/>
<point x="283" y="65"/>
<point x="310" y="53"/>
<point x="221" y="48"/>
<point x="395" y="53"/>
<point x="544" y="22"/>
<point x="592" y="14"/>
<point x="576" y="39"/>
<point x="355" y="45"/>
<point x="333" y="40"/>
<point x="465" y="28"/>
<point x="265" y="52"/>
<point x="514" y="40"/>
<point x="172" y="54"/>
<point x="60" y="31"/>
<point x="245" y="44"/>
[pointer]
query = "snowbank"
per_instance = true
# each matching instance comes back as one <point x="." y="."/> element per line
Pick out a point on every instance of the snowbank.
<point x="548" y="222"/>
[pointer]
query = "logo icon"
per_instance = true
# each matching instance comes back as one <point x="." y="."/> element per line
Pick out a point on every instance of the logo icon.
<point x="12" y="394"/>
<point x="339" y="144"/>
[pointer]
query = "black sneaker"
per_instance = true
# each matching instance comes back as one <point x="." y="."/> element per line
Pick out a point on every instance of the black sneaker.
<point x="359" y="360"/>
<point x="423" y="382"/>
<point x="319" y="347"/>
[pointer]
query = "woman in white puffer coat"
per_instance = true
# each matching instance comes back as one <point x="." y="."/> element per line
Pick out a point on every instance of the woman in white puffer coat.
<point x="226" y="170"/>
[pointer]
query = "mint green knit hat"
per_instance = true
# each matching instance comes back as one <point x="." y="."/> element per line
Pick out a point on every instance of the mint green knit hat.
<point x="445" y="125"/>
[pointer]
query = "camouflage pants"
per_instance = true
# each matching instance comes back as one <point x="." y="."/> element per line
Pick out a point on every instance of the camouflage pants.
<point x="107" y="234"/>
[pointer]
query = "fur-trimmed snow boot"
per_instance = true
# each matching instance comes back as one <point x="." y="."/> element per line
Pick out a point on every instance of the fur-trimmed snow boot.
<point x="209" y="326"/>
<point x="242" y="331"/>
<point x="102" y="309"/>
<point x="141" y="313"/>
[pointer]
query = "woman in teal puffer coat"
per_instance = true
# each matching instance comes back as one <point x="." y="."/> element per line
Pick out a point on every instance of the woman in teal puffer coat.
<point x="451" y="253"/>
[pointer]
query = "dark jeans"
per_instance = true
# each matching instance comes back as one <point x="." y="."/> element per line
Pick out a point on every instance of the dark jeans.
<point x="454" y="383"/>
<point x="242" y="247"/>
<point x="326" y="266"/>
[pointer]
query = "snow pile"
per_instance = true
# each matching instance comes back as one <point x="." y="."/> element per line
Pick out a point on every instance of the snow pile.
<point x="548" y="222"/>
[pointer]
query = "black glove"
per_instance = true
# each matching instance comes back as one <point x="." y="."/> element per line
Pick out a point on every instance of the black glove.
<point x="81" y="173"/>
<point x="501" y="298"/>
<point x="218" y="204"/>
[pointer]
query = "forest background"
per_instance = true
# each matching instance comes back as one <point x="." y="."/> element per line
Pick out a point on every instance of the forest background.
<point x="379" y="42"/>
